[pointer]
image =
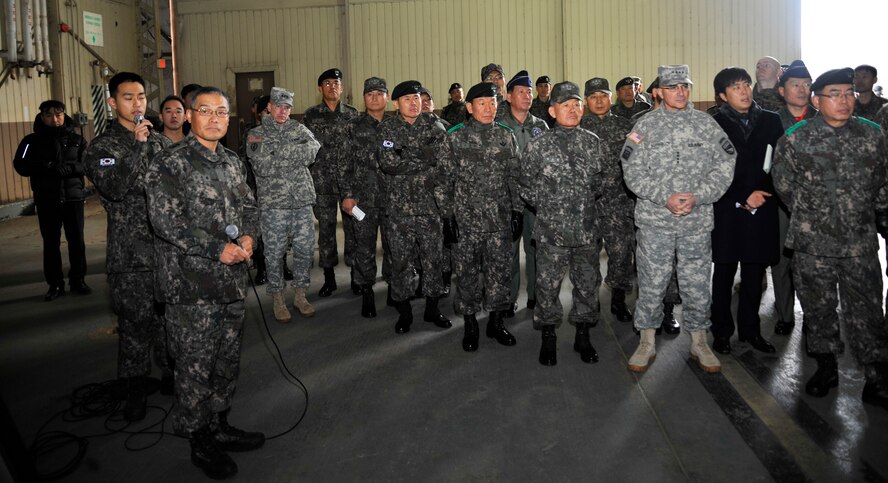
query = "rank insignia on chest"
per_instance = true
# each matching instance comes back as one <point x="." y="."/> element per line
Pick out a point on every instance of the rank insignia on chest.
<point x="635" y="137"/>
<point x="388" y="144"/>
<point x="104" y="162"/>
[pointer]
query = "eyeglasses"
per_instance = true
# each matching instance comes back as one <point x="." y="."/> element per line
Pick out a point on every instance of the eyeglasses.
<point x="684" y="87"/>
<point x="836" y="94"/>
<point x="207" y="112"/>
<point x="494" y="77"/>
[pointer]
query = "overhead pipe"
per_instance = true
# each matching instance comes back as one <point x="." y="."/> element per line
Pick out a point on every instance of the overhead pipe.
<point x="11" y="43"/>
<point x="26" y="15"/>
<point x="38" y="44"/>
<point x="44" y="37"/>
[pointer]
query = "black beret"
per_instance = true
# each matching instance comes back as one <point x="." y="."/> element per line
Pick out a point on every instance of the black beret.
<point x="484" y="89"/>
<point x="543" y="79"/>
<point x="625" y="81"/>
<point x="796" y="70"/>
<point x="835" y="76"/>
<point x="654" y="85"/>
<point x="522" y="78"/>
<point x="406" y="87"/>
<point x="333" y="73"/>
<point x="454" y="86"/>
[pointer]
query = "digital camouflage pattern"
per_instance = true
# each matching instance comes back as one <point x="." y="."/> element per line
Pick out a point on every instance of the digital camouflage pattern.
<point x="869" y="111"/>
<point x="452" y="111"/>
<point x="768" y="99"/>
<point x="627" y="112"/>
<point x="540" y="110"/>
<point x="582" y="265"/>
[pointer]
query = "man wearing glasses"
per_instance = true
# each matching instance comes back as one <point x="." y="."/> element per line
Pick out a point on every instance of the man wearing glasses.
<point x="832" y="173"/>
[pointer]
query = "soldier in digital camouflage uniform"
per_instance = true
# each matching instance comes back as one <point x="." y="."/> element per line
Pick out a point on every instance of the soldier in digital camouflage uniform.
<point x="116" y="162"/>
<point x="765" y="92"/>
<point x="832" y="173"/>
<point x="628" y="104"/>
<point x="280" y="152"/>
<point x="540" y="106"/>
<point x="494" y="74"/>
<point x="562" y="178"/>
<point x="678" y="162"/>
<point x="868" y="103"/>
<point x="881" y="118"/>
<point x="361" y="185"/>
<point x="407" y="154"/>
<point x="456" y="106"/>
<point x="479" y="163"/>
<point x="328" y="121"/>
<point x="196" y="190"/>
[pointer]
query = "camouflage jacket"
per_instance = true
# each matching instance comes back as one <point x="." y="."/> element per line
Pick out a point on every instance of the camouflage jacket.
<point x="193" y="195"/>
<point x="788" y="120"/>
<point x="479" y="163"/>
<point x="329" y="128"/>
<point x="768" y="99"/>
<point x="612" y="130"/>
<point x="561" y="177"/>
<point x="280" y="156"/>
<point x="408" y="158"/>
<point x="881" y="118"/>
<point x="672" y="152"/>
<point x="870" y="110"/>
<point x="116" y="163"/>
<point x="361" y="178"/>
<point x="832" y="180"/>
<point x="540" y="109"/>
<point x="451" y="112"/>
<point x="620" y="110"/>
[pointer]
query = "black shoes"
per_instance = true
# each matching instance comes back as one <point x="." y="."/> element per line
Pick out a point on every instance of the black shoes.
<point x="531" y="304"/>
<point x="134" y="408"/>
<point x="722" y="345"/>
<point x="54" y="292"/>
<point x="618" y="306"/>
<point x="368" y="301"/>
<point x="433" y="314"/>
<point x="496" y="329"/>
<point x="783" y="328"/>
<point x="583" y="345"/>
<point x="208" y="456"/>
<point x="80" y="287"/>
<point x="669" y="324"/>
<point x="405" y="317"/>
<point x="826" y="377"/>
<point x="510" y="312"/>
<point x="470" y="339"/>
<point x="759" y="343"/>
<point x="548" y="347"/>
<point x="229" y="438"/>
<point x="329" y="283"/>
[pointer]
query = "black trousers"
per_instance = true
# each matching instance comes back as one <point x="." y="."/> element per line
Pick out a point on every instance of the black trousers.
<point x="53" y="216"/>
<point x="748" y="322"/>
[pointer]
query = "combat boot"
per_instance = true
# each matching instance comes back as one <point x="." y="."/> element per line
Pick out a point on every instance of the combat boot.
<point x="470" y="339"/>
<point x="368" y="301"/>
<point x="583" y="345"/>
<point x="229" y="438"/>
<point x="302" y="304"/>
<point x="496" y="329"/>
<point x="548" y="356"/>
<point x="826" y="377"/>
<point x="669" y="324"/>
<point x="281" y="314"/>
<point x="646" y="352"/>
<point x="433" y="314"/>
<point x="702" y="353"/>
<point x="618" y="305"/>
<point x="136" y="399"/>
<point x="208" y="456"/>
<point x="405" y="317"/>
<point x="329" y="283"/>
<point x="875" y="389"/>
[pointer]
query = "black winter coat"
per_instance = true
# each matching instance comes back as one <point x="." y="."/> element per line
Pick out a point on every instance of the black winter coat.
<point x="740" y="236"/>
<point x="53" y="158"/>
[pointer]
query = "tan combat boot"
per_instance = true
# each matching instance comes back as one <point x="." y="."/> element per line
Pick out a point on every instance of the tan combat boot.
<point x="280" y="307"/>
<point x="646" y="353"/>
<point x="301" y="303"/>
<point x="702" y="353"/>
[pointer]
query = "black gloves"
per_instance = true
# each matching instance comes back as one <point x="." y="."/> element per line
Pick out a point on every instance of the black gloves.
<point x="451" y="231"/>
<point x="882" y="223"/>
<point x="517" y="221"/>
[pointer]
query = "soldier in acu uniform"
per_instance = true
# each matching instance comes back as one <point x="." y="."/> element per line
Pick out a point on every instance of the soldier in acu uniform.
<point x="832" y="173"/>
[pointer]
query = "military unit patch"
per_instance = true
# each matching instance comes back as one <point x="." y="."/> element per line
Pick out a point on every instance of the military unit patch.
<point x="627" y="153"/>
<point x="726" y="145"/>
<point x="388" y="144"/>
<point x="536" y="132"/>
<point x="107" y="162"/>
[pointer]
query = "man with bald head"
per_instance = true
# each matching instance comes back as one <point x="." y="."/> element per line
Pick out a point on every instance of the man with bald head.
<point x="767" y="74"/>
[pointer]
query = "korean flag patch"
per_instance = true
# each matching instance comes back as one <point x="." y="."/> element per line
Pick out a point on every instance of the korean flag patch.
<point x="105" y="162"/>
<point x="388" y="144"/>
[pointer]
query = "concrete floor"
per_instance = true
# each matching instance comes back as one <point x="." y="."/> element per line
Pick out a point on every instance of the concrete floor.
<point x="383" y="407"/>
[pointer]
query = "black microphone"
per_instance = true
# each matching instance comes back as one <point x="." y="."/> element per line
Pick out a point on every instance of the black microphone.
<point x="137" y="119"/>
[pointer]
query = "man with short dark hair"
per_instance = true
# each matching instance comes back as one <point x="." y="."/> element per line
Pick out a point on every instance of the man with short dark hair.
<point x="455" y="106"/>
<point x="628" y="104"/>
<point x="867" y="103"/>
<point x="185" y="94"/>
<point x="172" y="115"/>
<point x="540" y="106"/>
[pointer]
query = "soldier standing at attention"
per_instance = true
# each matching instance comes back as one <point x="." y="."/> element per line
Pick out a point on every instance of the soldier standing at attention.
<point x="407" y="155"/>
<point x="328" y="121"/>
<point x="832" y="173"/>
<point x="561" y="177"/>
<point x="678" y="162"/>
<point x="480" y="193"/>
<point x="116" y="163"/>
<point x="280" y="152"/>
<point x="540" y="106"/>
<point x="205" y="219"/>
<point x="767" y="75"/>
<point x="627" y="102"/>
<point x="452" y="110"/>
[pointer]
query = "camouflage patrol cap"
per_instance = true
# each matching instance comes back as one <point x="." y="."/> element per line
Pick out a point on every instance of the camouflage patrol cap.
<point x="423" y="90"/>
<point x="564" y="91"/>
<point x="625" y="81"/>
<point x="489" y="68"/>
<point x="671" y="75"/>
<point x="831" y="77"/>
<point x="333" y="73"/>
<point x="454" y="86"/>
<point x="280" y="96"/>
<point x="406" y="87"/>
<point x="596" y="84"/>
<point x="375" y="84"/>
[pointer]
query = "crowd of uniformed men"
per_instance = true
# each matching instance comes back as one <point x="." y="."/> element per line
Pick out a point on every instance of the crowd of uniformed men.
<point x="772" y="176"/>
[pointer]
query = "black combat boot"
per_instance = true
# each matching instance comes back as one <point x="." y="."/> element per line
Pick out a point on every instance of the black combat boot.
<point x="470" y="339"/>
<point x="826" y="377"/>
<point x="356" y="289"/>
<point x="618" y="305"/>
<point x="445" y="277"/>
<point x="405" y="317"/>
<point x="583" y="345"/>
<point x="368" y="301"/>
<point x="433" y="314"/>
<point x="496" y="329"/>
<point x="208" y="456"/>
<point x="783" y="328"/>
<point x="547" y="349"/>
<point x="388" y="298"/>
<point x="229" y="438"/>
<point x="329" y="283"/>
<point x="669" y="324"/>
<point x="136" y="399"/>
<point x="875" y="389"/>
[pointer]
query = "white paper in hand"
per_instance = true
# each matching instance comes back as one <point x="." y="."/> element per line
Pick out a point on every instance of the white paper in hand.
<point x="768" y="153"/>
<point x="358" y="213"/>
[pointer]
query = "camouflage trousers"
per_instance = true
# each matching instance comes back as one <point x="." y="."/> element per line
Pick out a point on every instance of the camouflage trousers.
<point x="584" y="268"/>
<point x="411" y="237"/>
<point x="326" y="210"/>
<point x="618" y="233"/>
<point x="278" y="228"/>
<point x="205" y="341"/>
<point x="857" y="281"/>
<point x="481" y="262"/>
<point x="692" y="256"/>
<point x="781" y="275"/>
<point x="366" y="232"/>
<point x="529" y="259"/>
<point x="140" y="324"/>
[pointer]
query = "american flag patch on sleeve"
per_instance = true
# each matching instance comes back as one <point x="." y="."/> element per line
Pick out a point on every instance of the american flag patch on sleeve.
<point x="635" y="137"/>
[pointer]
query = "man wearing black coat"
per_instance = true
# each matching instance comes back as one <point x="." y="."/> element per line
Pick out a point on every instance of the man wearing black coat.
<point x="52" y="156"/>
